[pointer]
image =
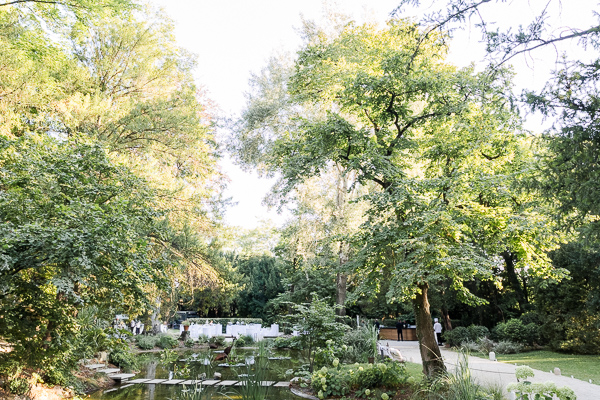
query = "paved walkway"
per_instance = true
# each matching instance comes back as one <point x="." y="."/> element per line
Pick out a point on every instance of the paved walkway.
<point x="492" y="373"/>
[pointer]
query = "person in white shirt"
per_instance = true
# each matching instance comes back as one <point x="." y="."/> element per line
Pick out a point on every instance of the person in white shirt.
<point x="437" y="328"/>
<point x="138" y="325"/>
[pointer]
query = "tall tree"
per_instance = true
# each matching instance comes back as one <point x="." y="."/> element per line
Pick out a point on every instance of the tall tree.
<point x="438" y="141"/>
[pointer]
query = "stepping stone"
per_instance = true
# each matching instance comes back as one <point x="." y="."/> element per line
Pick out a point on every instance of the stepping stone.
<point x="173" y="382"/>
<point x="188" y="382"/>
<point x="282" y="384"/>
<point x="121" y="377"/>
<point x="153" y="381"/>
<point x="226" y="383"/>
<point x="110" y="390"/>
<point x="138" y="381"/>
<point x="109" y="370"/>
<point x="95" y="366"/>
<point x="267" y="383"/>
<point x="126" y="386"/>
<point x="210" y="382"/>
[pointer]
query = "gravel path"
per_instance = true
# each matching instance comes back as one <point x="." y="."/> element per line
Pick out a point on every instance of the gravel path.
<point x="494" y="373"/>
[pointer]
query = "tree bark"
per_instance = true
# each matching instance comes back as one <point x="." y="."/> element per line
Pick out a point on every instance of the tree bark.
<point x="509" y="267"/>
<point x="430" y="352"/>
<point x="341" y="283"/>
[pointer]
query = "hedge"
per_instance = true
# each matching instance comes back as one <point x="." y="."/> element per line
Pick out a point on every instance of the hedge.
<point x="225" y="321"/>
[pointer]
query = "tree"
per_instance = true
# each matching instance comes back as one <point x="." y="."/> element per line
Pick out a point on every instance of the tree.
<point x="440" y="143"/>
<point x="77" y="230"/>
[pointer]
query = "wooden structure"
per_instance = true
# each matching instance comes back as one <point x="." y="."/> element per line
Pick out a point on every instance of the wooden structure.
<point x="391" y="334"/>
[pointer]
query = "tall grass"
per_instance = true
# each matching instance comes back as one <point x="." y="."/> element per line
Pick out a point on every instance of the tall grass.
<point x="459" y="385"/>
<point x="252" y="387"/>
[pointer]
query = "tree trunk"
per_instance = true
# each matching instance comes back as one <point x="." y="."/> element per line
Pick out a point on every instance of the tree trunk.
<point x="341" y="284"/>
<point x="509" y="267"/>
<point x="430" y="352"/>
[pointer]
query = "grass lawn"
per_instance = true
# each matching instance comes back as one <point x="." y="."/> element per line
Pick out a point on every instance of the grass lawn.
<point x="581" y="367"/>
<point x="414" y="369"/>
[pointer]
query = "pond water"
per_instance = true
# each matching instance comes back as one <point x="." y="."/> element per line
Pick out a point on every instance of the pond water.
<point x="199" y="363"/>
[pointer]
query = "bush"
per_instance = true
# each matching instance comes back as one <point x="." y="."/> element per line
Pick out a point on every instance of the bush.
<point x="203" y="338"/>
<point x="292" y="342"/>
<point x="388" y="375"/>
<point x="18" y="386"/>
<point x="357" y="345"/>
<point x="166" y="341"/>
<point x="146" y="342"/>
<point x="477" y="332"/>
<point x="225" y="321"/>
<point x="507" y="347"/>
<point x="248" y="339"/>
<point x="515" y="330"/>
<point x="456" y="336"/>
<point x="341" y="380"/>
<point x="485" y="345"/>
<point x="471" y="347"/>
<point x="123" y="358"/>
<point x="189" y="343"/>
<point x="218" y="340"/>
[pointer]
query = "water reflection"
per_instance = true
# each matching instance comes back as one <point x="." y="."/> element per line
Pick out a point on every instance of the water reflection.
<point x="197" y="364"/>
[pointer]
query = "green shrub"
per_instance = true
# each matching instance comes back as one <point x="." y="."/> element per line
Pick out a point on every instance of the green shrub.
<point x="461" y="335"/>
<point x="515" y="330"/>
<point x="218" y="340"/>
<point x="225" y="321"/>
<point x="357" y="346"/>
<point x="477" y="332"/>
<point x="123" y="358"/>
<point x="456" y="336"/>
<point x="166" y="341"/>
<point x="18" y="386"/>
<point x="248" y="339"/>
<point x="507" y="347"/>
<point x="146" y="342"/>
<point x="203" y="338"/>
<point x="240" y="342"/>
<point x="341" y="380"/>
<point x="292" y="342"/>
<point x="189" y="343"/>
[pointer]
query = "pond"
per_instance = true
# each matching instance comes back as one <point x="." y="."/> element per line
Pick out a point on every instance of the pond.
<point x="200" y="363"/>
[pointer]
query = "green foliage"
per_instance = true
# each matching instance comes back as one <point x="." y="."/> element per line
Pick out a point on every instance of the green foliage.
<point x="262" y="282"/>
<point x="225" y="321"/>
<point x="341" y="380"/>
<point x="124" y="358"/>
<point x="166" y="341"/>
<point x="459" y="385"/>
<point x="357" y="345"/>
<point x="18" y="386"/>
<point x="291" y="342"/>
<point x="316" y="322"/>
<point x="218" y="340"/>
<point x="516" y="331"/>
<point x="189" y="343"/>
<point x="79" y="238"/>
<point x="460" y="335"/>
<point x="507" y="347"/>
<point x="146" y="342"/>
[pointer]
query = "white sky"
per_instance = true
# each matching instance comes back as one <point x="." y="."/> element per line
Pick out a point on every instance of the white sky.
<point x="234" y="38"/>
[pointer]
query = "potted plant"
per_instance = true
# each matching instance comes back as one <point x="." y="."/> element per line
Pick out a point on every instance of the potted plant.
<point x="186" y="325"/>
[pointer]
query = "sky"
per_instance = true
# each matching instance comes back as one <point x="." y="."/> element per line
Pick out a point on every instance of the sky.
<point x="234" y="38"/>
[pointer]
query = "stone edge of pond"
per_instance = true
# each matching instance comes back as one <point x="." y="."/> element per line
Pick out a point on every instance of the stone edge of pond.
<point x="302" y="394"/>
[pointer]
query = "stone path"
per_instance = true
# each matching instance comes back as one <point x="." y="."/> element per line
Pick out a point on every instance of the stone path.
<point x="490" y="373"/>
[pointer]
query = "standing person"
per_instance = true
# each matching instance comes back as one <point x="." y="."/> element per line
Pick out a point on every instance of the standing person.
<point x="132" y="326"/>
<point x="138" y="325"/>
<point x="437" y="328"/>
<point x="377" y="327"/>
<point x="399" y="328"/>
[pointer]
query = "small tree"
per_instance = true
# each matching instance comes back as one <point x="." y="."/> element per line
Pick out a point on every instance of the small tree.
<point x="317" y="324"/>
